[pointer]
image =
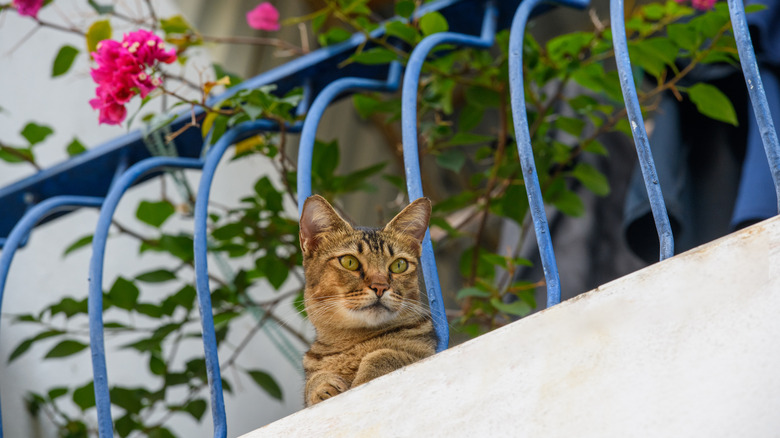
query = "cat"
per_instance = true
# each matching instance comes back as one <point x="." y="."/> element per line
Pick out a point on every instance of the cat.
<point x="362" y="296"/>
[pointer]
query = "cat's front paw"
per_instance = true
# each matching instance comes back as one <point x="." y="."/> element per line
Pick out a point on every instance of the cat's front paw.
<point x="327" y="387"/>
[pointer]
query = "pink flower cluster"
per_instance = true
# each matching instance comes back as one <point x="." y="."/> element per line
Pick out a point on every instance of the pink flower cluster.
<point x="702" y="5"/>
<point x="29" y="8"/>
<point x="264" y="17"/>
<point x="125" y="69"/>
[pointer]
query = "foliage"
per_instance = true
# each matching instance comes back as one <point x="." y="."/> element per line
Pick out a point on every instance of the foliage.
<point x="466" y="129"/>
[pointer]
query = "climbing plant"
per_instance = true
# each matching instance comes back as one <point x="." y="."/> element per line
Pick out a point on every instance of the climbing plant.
<point x="465" y="129"/>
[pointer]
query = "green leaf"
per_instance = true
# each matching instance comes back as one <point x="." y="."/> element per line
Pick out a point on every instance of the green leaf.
<point x="75" y="148"/>
<point x="470" y="117"/>
<point x="82" y="242"/>
<point x="571" y="125"/>
<point x="365" y="105"/>
<point x="56" y="393"/>
<point x="101" y="9"/>
<point x="16" y="156"/>
<point x="684" y="36"/>
<point x="569" y="203"/>
<point x="123" y="294"/>
<point x="274" y="270"/>
<point x="405" y="8"/>
<point x="451" y="159"/>
<point x="155" y="213"/>
<point x="196" y="408"/>
<point x="175" y="25"/>
<point x="401" y="30"/>
<point x="466" y="138"/>
<point x="84" y="397"/>
<point x="156" y="276"/>
<point x="267" y="383"/>
<point x="325" y="159"/>
<point x="472" y="292"/>
<point x="27" y="343"/>
<point x="433" y="22"/>
<point x="126" y="398"/>
<point x="518" y="308"/>
<point x="711" y="102"/>
<point x="374" y="56"/>
<point x="64" y="60"/>
<point x="333" y="36"/>
<point x="35" y="133"/>
<point x="65" y="348"/>
<point x="591" y="178"/>
<point x="156" y="365"/>
<point x="161" y="432"/>
<point x="97" y="32"/>
<point x="69" y="307"/>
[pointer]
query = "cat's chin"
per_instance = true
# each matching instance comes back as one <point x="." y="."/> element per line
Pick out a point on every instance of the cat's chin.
<point x="373" y="316"/>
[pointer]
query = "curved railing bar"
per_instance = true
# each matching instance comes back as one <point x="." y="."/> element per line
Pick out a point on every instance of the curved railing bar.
<point x="95" y="300"/>
<point x="318" y="107"/>
<point x="747" y="57"/>
<point x="411" y="151"/>
<point x="200" y="236"/>
<point x="24" y="227"/>
<point x="637" y="123"/>
<point x="526" y="153"/>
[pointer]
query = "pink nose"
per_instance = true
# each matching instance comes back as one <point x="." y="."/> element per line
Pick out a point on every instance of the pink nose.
<point x="379" y="288"/>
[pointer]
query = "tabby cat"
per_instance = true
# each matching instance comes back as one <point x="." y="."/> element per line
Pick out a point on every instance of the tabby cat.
<point x="362" y="296"/>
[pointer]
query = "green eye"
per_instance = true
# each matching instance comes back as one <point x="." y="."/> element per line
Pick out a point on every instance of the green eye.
<point x="349" y="262"/>
<point x="399" y="266"/>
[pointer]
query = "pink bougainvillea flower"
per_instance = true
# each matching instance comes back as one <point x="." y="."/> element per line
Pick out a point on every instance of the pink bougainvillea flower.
<point x="125" y="69"/>
<point x="29" y="8"/>
<point x="263" y="17"/>
<point x="703" y="5"/>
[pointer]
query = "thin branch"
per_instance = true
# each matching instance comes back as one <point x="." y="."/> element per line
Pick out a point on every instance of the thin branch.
<point x="256" y="41"/>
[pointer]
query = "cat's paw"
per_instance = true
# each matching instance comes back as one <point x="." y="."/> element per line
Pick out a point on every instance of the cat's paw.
<point x="329" y="387"/>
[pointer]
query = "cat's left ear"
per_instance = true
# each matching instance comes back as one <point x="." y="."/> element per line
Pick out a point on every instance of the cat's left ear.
<point x="412" y="220"/>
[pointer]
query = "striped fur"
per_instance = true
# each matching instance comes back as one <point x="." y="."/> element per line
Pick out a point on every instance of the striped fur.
<point x="369" y="321"/>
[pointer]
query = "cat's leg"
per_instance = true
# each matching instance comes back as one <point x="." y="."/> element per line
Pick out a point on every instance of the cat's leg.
<point x="380" y="362"/>
<point x="323" y="385"/>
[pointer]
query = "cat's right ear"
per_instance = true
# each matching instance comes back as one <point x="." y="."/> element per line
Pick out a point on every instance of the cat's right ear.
<point x="318" y="217"/>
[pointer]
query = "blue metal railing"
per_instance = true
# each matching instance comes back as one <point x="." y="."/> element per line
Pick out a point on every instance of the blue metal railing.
<point x="100" y="177"/>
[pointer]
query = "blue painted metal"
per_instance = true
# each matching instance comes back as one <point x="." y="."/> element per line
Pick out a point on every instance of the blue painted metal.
<point x="747" y="57"/>
<point x="318" y="107"/>
<point x="135" y="173"/>
<point x="411" y="152"/>
<point x="637" y="123"/>
<point x="22" y="229"/>
<point x="526" y="153"/>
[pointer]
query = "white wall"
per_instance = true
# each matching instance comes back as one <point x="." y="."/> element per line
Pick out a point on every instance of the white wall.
<point x="40" y="276"/>
<point x="684" y="348"/>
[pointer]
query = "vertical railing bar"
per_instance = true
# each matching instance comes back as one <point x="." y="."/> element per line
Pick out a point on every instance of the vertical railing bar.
<point x="526" y="153"/>
<point x="411" y="151"/>
<point x="24" y="227"/>
<point x="95" y="300"/>
<point x="317" y="109"/>
<point x="637" y="123"/>
<point x="200" y="248"/>
<point x="755" y="86"/>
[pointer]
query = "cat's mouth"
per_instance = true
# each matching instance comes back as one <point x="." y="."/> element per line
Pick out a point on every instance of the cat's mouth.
<point x="376" y="306"/>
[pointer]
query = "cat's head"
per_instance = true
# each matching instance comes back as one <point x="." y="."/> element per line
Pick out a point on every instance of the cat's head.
<point x="360" y="277"/>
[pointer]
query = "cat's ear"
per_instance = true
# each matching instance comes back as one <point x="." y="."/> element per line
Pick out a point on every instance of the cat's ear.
<point x="412" y="220"/>
<point x="318" y="217"/>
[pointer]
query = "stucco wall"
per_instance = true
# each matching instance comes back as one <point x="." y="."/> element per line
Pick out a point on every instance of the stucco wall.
<point x="684" y="348"/>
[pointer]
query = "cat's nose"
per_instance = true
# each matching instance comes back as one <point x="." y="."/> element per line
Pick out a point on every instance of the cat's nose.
<point x="379" y="288"/>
